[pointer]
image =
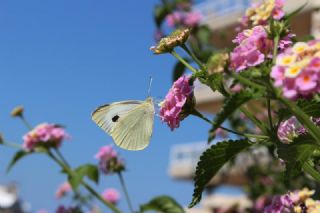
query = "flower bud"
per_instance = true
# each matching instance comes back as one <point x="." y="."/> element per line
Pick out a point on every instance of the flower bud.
<point x="167" y="44"/>
<point x="217" y="62"/>
<point x="17" y="111"/>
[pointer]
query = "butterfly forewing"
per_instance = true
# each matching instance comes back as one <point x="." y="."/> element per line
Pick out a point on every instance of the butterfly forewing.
<point x="129" y="123"/>
<point x="106" y="116"/>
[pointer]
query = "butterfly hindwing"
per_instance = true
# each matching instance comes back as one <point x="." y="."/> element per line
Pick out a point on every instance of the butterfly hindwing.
<point x="129" y="123"/>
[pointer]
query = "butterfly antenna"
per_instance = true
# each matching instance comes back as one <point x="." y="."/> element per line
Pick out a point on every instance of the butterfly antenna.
<point x="149" y="88"/>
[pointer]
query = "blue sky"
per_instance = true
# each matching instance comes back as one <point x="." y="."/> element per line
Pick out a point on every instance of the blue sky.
<point x="61" y="59"/>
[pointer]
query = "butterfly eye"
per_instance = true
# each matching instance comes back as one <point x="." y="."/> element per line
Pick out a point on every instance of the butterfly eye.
<point x="115" y="118"/>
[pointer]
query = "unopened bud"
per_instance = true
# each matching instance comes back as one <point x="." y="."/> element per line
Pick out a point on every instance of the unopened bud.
<point x="17" y="111"/>
<point x="167" y="44"/>
<point x="217" y="62"/>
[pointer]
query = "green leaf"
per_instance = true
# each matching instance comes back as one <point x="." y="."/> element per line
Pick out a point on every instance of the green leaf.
<point x="203" y="34"/>
<point x="215" y="82"/>
<point x="88" y="170"/>
<point x="311" y="108"/>
<point x="232" y="103"/>
<point x="18" y="156"/>
<point x="178" y="70"/>
<point x="211" y="161"/>
<point x="296" y="153"/>
<point x="163" y="204"/>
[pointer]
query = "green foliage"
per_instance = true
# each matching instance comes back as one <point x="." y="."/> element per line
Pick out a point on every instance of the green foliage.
<point x="18" y="156"/>
<point x="88" y="170"/>
<point x="163" y="204"/>
<point x="232" y="103"/>
<point x="212" y="160"/>
<point x="203" y="34"/>
<point x="296" y="154"/>
<point x="215" y="82"/>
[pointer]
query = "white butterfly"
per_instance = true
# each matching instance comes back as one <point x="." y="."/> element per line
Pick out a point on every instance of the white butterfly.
<point x="129" y="123"/>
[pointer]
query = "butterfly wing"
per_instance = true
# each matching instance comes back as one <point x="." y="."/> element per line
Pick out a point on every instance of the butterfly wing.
<point x="130" y="123"/>
<point x="106" y="116"/>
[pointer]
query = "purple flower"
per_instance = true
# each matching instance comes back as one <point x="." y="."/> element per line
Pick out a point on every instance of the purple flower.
<point x="111" y="195"/>
<point x="280" y="204"/>
<point x="171" y="108"/>
<point x="287" y="130"/>
<point x="109" y="161"/>
<point x="173" y="19"/>
<point x="182" y="18"/>
<point x="44" y="134"/>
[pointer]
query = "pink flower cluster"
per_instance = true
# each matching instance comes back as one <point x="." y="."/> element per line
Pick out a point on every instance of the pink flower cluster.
<point x="297" y="70"/>
<point x="181" y="18"/>
<point x="259" y="13"/>
<point x="171" y="107"/>
<point x="111" y="195"/>
<point x="44" y="134"/>
<point x="108" y="160"/>
<point x="254" y="47"/>
<point x="62" y="190"/>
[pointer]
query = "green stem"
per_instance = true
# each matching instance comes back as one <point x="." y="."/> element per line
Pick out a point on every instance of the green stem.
<point x="124" y="188"/>
<point x="253" y="119"/>
<point x="25" y="122"/>
<point x="245" y="81"/>
<point x="269" y="113"/>
<point x="193" y="56"/>
<point x="175" y="54"/>
<point x="275" y="48"/>
<point x="61" y="157"/>
<point x="303" y="118"/>
<point x="199" y="115"/>
<point x="12" y="145"/>
<point x="83" y="183"/>
<point x="308" y="168"/>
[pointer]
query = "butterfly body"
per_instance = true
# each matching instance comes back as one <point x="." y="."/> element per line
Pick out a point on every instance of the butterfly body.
<point x="129" y="123"/>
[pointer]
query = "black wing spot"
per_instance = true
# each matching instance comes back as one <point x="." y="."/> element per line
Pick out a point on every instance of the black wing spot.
<point x="115" y="118"/>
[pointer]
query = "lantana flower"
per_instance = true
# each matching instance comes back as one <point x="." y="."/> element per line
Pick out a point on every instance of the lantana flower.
<point x="109" y="161"/>
<point x="297" y="70"/>
<point x="63" y="209"/>
<point x="297" y="201"/>
<point x="111" y="195"/>
<point x="260" y="13"/>
<point x="289" y="129"/>
<point x="183" y="18"/>
<point x="63" y="189"/>
<point x="254" y="47"/>
<point x="48" y="135"/>
<point x="171" y="109"/>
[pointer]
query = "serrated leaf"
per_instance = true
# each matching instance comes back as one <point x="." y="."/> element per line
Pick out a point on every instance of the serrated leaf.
<point x="18" y="156"/>
<point x="88" y="170"/>
<point x="178" y="70"/>
<point x="311" y="108"/>
<point x="215" y="82"/>
<point x="163" y="204"/>
<point x="296" y="153"/>
<point x="211" y="161"/>
<point x="232" y="103"/>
